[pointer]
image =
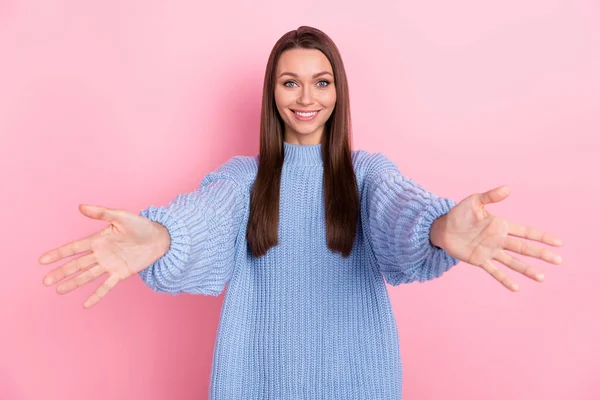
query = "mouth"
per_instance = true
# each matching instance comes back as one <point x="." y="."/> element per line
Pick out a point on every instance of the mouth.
<point x="305" y="115"/>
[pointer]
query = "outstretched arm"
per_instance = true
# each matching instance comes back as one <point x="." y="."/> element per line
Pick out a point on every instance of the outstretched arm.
<point x="399" y="216"/>
<point x="203" y="226"/>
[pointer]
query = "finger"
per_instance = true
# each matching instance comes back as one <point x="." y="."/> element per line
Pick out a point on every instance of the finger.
<point x="527" y="249"/>
<point x="80" y="280"/>
<point x="98" y="212"/>
<point x="106" y="287"/>
<point x="67" y="250"/>
<point x="494" y="195"/>
<point x="530" y="233"/>
<point x="79" y="246"/>
<point x="500" y="276"/>
<point x="519" y="266"/>
<point x="70" y="268"/>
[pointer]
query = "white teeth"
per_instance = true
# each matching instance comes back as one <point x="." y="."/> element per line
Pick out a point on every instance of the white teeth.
<point x="305" y="114"/>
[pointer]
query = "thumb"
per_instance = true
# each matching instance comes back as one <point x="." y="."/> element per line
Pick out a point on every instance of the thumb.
<point x="98" y="212"/>
<point x="495" y="195"/>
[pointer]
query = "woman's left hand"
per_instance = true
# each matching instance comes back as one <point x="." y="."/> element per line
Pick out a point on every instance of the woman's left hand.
<point x="471" y="234"/>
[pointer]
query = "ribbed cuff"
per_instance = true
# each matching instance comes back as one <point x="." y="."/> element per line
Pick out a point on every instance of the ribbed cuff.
<point x="172" y="262"/>
<point x="438" y="259"/>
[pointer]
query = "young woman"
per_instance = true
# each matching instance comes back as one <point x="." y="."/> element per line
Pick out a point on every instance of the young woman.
<point x="303" y="235"/>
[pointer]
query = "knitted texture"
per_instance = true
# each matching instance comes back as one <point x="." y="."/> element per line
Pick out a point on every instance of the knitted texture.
<point x="301" y="322"/>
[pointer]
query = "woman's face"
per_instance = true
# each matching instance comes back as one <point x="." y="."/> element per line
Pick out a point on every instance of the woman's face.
<point x="304" y="82"/>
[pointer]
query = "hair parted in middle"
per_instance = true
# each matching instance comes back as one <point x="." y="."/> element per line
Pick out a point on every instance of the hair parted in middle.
<point x="339" y="180"/>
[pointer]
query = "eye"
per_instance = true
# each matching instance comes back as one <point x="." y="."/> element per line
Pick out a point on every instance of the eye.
<point x="327" y="83"/>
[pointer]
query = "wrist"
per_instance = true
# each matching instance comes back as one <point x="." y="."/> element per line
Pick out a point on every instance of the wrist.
<point x="437" y="232"/>
<point x="163" y="241"/>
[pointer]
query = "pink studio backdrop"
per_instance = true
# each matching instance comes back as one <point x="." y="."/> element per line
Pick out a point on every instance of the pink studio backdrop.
<point x="128" y="103"/>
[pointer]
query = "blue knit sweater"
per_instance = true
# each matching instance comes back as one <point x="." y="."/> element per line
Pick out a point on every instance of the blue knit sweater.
<point x="301" y="322"/>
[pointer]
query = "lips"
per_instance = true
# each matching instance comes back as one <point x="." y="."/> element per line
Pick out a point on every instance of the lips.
<point x="304" y="111"/>
<point x="305" y="118"/>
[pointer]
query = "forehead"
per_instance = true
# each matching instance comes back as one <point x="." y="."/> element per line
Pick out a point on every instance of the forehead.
<point x="303" y="62"/>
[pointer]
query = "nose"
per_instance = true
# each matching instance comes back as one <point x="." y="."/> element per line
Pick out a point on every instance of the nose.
<point x="306" y="96"/>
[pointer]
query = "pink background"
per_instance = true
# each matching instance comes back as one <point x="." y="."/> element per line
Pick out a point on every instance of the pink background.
<point x="127" y="103"/>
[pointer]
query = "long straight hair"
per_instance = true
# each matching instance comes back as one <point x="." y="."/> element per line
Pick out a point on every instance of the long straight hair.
<point x="339" y="180"/>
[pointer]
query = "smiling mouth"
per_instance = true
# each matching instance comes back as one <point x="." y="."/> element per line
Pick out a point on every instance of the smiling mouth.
<point x="304" y="112"/>
<point x="305" y="116"/>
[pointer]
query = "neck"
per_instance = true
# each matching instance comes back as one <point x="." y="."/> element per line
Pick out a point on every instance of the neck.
<point x="297" y="154"/>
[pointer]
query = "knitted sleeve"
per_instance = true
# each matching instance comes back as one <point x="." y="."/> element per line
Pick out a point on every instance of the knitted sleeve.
<point x="399" y="215"/>
<point x="203" y="226"/>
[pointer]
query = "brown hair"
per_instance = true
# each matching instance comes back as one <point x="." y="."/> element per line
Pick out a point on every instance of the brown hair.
<point x="339" y="180"/>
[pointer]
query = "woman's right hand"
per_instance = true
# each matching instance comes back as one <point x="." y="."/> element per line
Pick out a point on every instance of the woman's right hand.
<point x="128" y="245"/>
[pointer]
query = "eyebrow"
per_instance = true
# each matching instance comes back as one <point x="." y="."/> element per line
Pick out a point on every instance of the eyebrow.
<point x="314" y="76"/>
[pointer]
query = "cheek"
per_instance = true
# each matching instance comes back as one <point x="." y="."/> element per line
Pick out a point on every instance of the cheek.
<point x="330" y="99"/>
<point x="277" y="97"/>
<point x="330" y="102"/>
<point x="282" y="100"/>
<point x="280" y="104"/>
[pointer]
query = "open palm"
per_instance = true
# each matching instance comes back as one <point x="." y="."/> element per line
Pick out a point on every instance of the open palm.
<point x="129" y="244"/>
<point x="473" y="235"/>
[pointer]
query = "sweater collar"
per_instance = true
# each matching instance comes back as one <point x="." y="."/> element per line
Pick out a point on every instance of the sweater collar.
<point x="297" y="154"/>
